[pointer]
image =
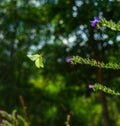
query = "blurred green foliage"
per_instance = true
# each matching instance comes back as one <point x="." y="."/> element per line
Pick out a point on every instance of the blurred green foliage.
<point x="58" y="29"/>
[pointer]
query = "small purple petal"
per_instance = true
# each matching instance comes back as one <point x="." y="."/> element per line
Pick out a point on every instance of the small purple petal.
<point x="18" y="116"/>
<point x="91" y="86"/>
<point x="9" y="115"/>
<point x="3" y="121"/>
<point x="95" y="21"/>
<point x="68" y="60"/>
<point x="1" y="111"/>
<point x="96" y="18"/>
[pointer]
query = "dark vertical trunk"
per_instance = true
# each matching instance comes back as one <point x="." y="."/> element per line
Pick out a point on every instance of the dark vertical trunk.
<point x="105" y="116"/>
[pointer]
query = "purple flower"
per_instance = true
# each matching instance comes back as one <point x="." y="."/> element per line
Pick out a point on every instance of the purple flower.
<point x="9" y="115"/>
<point x="95" y="21"/>
<point x="18" y="116"/>
<point x="1" y="111"/>
<point x="91" y="86"/>
<point x="3" y="121"/>
<point x="68" y="60"/>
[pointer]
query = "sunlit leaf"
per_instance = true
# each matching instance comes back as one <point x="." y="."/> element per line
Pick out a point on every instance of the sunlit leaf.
<point x="33" y="57"/>
<point x="38" y="60"/>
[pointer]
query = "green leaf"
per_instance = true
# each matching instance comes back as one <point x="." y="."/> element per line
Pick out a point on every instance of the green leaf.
<point x="39" y="62"/>
<point x="33" y="57"/>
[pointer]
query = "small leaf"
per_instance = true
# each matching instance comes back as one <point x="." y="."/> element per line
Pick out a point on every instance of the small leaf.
<point x="39" y="62"/>
<point x="33" y="57"/>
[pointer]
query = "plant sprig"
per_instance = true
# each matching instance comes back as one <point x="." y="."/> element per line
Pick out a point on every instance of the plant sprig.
<point x="110" y="24"/>
<point x="13" y="119"/>
<point x="92" y="62"/>
<point x="98" y="86"/>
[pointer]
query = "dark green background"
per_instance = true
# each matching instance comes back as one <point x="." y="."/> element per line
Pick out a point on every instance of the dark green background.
<point x="58" y="29"/>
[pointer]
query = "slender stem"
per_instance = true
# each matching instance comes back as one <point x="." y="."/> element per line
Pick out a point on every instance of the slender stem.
<point x="24" y="108"/>
<point x="103" y="100"/>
